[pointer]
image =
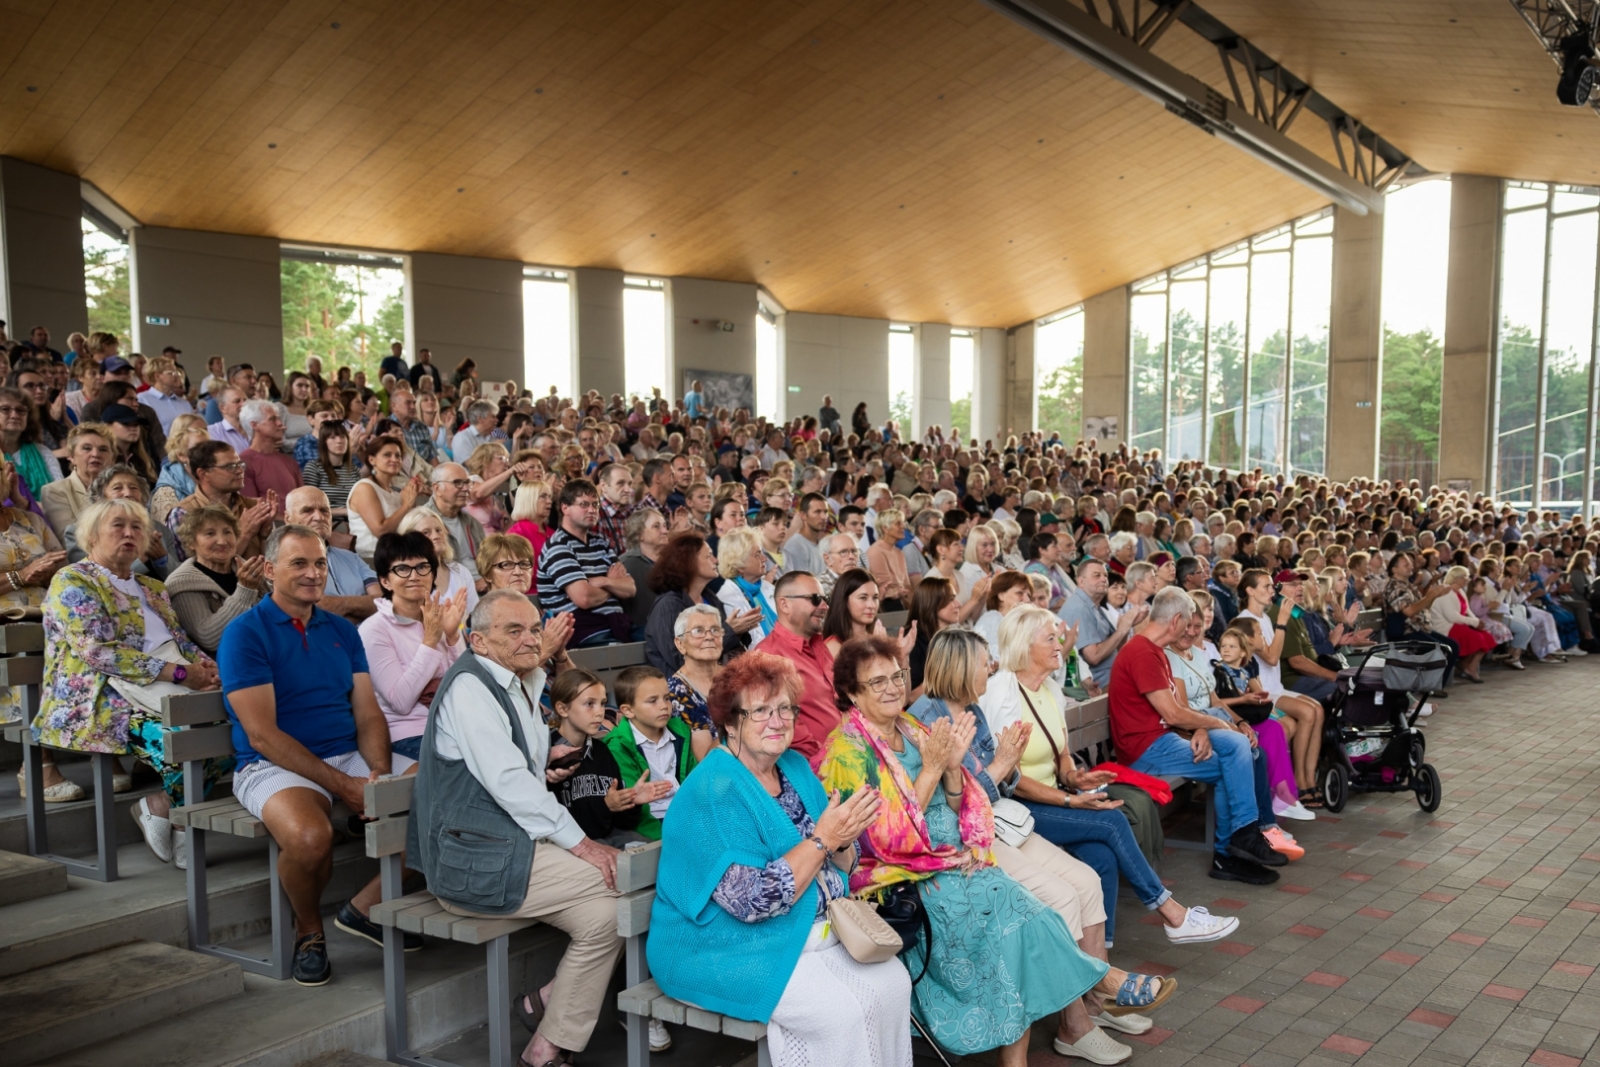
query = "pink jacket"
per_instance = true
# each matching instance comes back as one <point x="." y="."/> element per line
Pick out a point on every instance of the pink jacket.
<point x="404" y="671"/>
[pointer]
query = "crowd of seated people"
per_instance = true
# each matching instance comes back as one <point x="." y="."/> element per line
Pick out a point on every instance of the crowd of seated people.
<point x="784" y="746"/>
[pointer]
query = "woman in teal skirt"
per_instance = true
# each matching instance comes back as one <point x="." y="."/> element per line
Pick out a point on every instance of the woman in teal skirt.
<point x="1000" y="959"/>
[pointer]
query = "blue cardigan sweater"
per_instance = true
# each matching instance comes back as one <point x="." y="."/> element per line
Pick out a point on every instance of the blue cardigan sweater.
<point x="698" y="953"/>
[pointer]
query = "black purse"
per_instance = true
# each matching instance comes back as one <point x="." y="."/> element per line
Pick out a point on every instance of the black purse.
<point x="901" y="907"/>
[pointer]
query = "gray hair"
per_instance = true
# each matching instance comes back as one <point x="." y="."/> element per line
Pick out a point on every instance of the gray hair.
<point x="253" y="412"/>
<point x="102" y="481"/>
<point x="95" y="516"/>
<point x="1171" y="603"/>
<point x="480" y="409"/>
<point x="1221" y="541"/>
<point x="680" y="625"/>
<point x="849" y="545"/>
<point x="926" y="517"/>
<point x="1092" y="541"/>
<point x="1018" y="630"/>
<point x="439" y="474"/>
<point x="1120" y="541"/>
<point x="483" y="614"/>
<point x="291" y="529"/>
<point x="1145" y="518"/>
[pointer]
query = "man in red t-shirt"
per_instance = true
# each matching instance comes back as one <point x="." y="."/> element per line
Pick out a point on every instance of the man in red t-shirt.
<point x="1145" y="715"/>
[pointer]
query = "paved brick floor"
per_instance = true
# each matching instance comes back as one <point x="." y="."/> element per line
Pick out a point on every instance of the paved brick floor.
<point x="1469" y="936"/>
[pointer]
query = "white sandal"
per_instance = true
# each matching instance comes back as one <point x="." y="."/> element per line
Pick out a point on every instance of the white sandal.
<point x="63" y="792"/>
<point x="1095" y="1047"/>
<point x="1128" y="1024"/>
<point x="156" y="829"/>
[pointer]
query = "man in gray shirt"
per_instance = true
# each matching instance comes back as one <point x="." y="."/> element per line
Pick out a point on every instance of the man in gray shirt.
<point x="1098" y="638"/>
<point x="803" y="551"/>
<point x="452" y="487"/>
<point x="923" y="526"/>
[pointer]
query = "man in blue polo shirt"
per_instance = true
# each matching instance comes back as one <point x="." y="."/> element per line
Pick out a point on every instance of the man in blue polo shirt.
<point x="306" y="729"/>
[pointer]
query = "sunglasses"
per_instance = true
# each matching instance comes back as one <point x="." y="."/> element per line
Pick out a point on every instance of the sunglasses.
<point x="816" y="599"/>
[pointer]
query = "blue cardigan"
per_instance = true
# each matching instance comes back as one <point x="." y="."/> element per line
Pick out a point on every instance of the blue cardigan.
<point x="698" y="953"/>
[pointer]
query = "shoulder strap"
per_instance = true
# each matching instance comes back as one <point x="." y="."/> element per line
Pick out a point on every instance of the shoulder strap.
<point x="1055" y="750"/>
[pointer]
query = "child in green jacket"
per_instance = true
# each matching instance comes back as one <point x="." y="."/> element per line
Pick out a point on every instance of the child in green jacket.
<point x="649" y="740"/>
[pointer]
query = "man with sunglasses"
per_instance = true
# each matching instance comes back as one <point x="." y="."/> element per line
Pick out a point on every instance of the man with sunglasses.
<point x="353" y="589"/>
<point x="801" y="609"/>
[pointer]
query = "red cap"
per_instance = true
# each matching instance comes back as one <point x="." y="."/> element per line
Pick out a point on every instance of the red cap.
<point x="1287" y="576"/>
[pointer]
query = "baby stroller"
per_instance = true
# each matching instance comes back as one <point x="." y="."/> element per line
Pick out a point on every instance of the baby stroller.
<point x="1371" y="741"/>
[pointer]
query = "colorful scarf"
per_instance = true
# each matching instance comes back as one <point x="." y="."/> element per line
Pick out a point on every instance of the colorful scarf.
<point x="896" y="847"/>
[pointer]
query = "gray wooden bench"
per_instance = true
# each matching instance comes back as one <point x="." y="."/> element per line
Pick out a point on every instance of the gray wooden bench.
<point x="643" y="1000"/>
<point x="894" y="621"/>
<point x="1089" y="730"/>
<point x="608" y="661"/>
<point x="22" y="646"/>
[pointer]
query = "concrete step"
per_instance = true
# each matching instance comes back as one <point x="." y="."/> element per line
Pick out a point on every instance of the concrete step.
<point x="92" y="999"/>
<point x="71" y="826"/>
<point x="148" y="904"/>
<point x="345" y="1058"/>
<point x="26" y="878"/>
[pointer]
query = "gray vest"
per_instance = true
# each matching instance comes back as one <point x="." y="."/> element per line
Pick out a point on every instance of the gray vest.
<point x="473" y="853"/>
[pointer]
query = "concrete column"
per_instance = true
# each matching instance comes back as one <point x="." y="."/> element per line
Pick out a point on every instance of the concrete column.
<point x="1105" y="363"/>
<point x="1018" y="414"/>
<point x="704" y="348"/>
<point x="1355" y="345"/>
<point x="41" y="251"/>
<point x="1467" y="389"/>
<point x="989" y="406"/>
<point x="839" y="356"/>
<point x="465" y="307"/>
<point x="932" y="404"/>
<point x="597" y="330"/>
<point x="221" y="294"/>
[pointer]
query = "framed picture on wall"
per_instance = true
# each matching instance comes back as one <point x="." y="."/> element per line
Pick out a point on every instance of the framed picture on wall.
<point x="721" y="389"/>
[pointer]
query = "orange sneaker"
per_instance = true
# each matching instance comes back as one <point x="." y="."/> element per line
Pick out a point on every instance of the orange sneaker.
<point x="1282" y="842"/>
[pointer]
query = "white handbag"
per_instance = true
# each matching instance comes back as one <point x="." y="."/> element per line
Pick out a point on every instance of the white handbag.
<point x="1013" y="822"/>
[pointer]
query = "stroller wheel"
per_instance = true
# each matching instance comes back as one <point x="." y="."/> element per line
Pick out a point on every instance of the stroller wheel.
<point x="1335" y="788"/>
<point x="1429" y="789"/>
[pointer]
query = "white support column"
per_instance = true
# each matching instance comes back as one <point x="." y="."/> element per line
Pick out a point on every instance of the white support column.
<point x="598" y="330"/>
<point x="932" y="404"/>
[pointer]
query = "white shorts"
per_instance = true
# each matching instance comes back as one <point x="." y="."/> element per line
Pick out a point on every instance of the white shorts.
<point x="256" y="783"/>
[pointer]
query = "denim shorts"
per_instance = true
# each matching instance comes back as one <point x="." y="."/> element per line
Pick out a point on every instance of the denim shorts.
<point x="410" y="747"/>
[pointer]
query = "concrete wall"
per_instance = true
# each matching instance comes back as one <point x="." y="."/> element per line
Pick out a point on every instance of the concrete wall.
<point x="989" y="407"/>
<point x="221" y="292"/>
<point x="932" y="404"/>
<point x="465" y="307"/>
<point x="698" y="344"/>
<point x="1355" y="345"/>
<point x="1467" y="389"/>
<point x="41" y="235"/>
<point x="839" y="356"/>
<point x="1017" y="416"/>
<point x="1105" y="362"/>
<point x="597" y="329"/>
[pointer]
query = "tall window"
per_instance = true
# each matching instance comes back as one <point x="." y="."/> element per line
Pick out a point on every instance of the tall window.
<point x="344" y="307"/>
<point x="903" y="379"/>
<point x="768" y="383"/>
<point x="1228" y="354"/>
<point x="1544" y="439"/>
<point x="1058" y="374"/>
<point x="1416" y="264"/>
<point x="644" y="337"/>
<point x="547" y="331"/>
<point x="105" y="278"/>
<point x="963" y="392"/>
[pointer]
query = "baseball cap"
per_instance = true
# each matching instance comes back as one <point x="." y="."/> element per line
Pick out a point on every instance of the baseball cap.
<point x="113" y="364"/>
<point x="1287" y="577"/>
<point x="1047" y="519"/>
<point x="120" y="413"/>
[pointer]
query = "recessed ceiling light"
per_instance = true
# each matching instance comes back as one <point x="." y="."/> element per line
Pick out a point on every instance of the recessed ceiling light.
<point x="461" y="188"/>
<point x="539" y="90"/>
<point x="624" y="174"/>
<point x="334" y="25"/>
<point x="272" y="144"/>
<point x="33" y="88"/>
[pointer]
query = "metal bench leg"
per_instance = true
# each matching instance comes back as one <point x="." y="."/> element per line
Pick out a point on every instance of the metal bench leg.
<point x="637" y="969"/>
<point x="282" y="959"/>
<point x="105" y="816"/>
<point x="104" y="867"/>
<point x="763" y="1053"/>
<point x="498" y="953"/>
<point x="396" y="1040"/>
<point x="1211" y="819"/>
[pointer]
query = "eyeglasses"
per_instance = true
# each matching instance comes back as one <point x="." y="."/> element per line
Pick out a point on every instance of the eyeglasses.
<point x="816" y="599"/>
<point x="784" y="712"/>
<point x="13" y="411"/>
<point x="459" y="483"/>
<point x="406" y="570"/>
<point x="514" y="565"/>
<point x="700" y="633"/>
<point x="237" y="465"/>
<point x="898" y="679"/>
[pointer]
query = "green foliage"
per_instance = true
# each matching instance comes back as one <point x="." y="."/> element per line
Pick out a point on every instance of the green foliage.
<point x="960" y="418"/>
<point x="1060" y="401"/>
<point x="1566" y="384"/>
<point x="900" y="412"/>
<point x="105" y="275"/>
<point x="1408" y="435"/>
<point x="331" y="311"/>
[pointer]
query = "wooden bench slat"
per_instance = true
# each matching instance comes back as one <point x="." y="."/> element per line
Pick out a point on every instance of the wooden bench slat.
<point x="440" y="923"/>
<point x="633" y="912"/>
<point x="193" y="709"/>
<point x="386" y="836"/>
<point x="744" y="1029"/>
<point x="636" y="867"/>
<point x="639" y="999"/>
<point x="608" y="656"/>
<point x="383" y="913"/>
<point x="20" y="637"/>
<point x="199" y="743"/>
<point x="219" y="819"/>
<point x="184" y="815"/>
<point x="701" y="1019"/>
<point x="475" y="931"/>
<point x="388" y="796"/>
<point x="412" y="919"/>
<point x="669" y="1011"/>
<point x="22" y="670"/>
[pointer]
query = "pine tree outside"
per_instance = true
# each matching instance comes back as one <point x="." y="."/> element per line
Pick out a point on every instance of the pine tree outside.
<point x="345" y="314"/>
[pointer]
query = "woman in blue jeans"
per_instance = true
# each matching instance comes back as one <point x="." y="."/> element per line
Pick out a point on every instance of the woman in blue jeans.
<point x="1068" y="808"/>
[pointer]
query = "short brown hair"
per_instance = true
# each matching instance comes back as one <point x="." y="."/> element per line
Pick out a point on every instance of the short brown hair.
<point x="198" y="519"/>
<point x="853" y="655"/>
<point x="1003" y="582"/>
<point x="676" y="567"/>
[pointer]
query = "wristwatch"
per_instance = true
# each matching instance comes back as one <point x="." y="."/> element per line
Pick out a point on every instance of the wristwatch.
<point x="179" y="674"/>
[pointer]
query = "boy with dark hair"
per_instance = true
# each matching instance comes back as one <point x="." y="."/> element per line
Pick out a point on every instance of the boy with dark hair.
<point x="649" y="743"/>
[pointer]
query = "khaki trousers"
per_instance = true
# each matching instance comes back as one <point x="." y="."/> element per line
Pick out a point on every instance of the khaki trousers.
<point x="1065" y="885"/>
<point x="571" y="895"/>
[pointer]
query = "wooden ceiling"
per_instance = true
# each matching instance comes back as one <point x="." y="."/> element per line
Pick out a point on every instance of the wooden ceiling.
<point x="924" y="161"/>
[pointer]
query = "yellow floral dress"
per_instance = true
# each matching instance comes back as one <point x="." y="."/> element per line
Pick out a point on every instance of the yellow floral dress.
<point x="26" y="538"/>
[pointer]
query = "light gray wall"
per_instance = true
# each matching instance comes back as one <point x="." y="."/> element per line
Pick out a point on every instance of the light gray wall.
<point x="698" y="344"/>
<point x="597" y="329"/>
<point x="41" y="234"/>
<point x="1105" y="362"/>
<point x="988" y="411"/>
<point x="840" y="356"/>
<point x="1355" y="345"/>
<point x="932" y="405"/>
<point x="222" y="293"/>
<point x="465" y="307"/>
<point x="1466" y="391"/>
<point x="1018" y="415"/>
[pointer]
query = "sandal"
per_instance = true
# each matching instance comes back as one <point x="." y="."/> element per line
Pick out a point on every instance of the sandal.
<point x="1137" y="996"/>
<point x="1313" y="798"/>
<point x="530" y="1019"/>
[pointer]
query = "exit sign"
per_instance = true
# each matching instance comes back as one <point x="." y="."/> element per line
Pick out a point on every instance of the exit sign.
<point x="157" y="320"/>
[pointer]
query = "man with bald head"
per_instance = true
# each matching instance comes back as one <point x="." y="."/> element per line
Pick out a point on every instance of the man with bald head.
<point x="452" y="488"/>
<point x="352" y="589"/>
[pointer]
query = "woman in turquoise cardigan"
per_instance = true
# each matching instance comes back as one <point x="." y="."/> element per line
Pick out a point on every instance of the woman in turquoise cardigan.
<point x="751" y="855"/>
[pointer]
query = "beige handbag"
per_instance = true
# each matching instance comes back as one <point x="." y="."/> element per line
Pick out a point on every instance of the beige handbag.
<point x="862" y="931"/>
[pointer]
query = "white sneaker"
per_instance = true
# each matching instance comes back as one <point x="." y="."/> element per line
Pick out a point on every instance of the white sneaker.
<point x="1299" y="811"/>
<point x="157" y="830"/>
<point x="1096" y="1047"/>
<point x="180" y="849"/>
<point x="660" y="1040"/>
<point x="1200" y="925"/>
<point x="1574" y="651"/>
<point x="1426" y="710"/>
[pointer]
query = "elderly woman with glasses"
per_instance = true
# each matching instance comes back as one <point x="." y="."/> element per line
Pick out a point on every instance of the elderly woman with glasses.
<point x="506" y="561"/>
<point x="750" y="858"/>
<point x="999" y="959"/>
<point x="427" y="522"/>
<point x="697" y="632"/>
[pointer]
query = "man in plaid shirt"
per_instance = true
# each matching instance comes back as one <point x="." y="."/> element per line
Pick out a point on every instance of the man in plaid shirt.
<point x="403" y="406"/>
<point x="616" y="504"/>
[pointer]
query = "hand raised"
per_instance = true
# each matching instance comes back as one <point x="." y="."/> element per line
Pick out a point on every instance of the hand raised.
<point x="963" y="728"/>
<point x="1013" y="740"/>
<point x="844" y="821"/>
<point x="455" y="610"/>
<point x="937" y="745"/>
<point x="251" y="572"/>
<point x="432" y="620"/>
<point x="554" y="638"/>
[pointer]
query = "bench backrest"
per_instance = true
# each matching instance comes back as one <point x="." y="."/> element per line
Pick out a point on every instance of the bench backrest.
<point x="1089" y="730"/>
<point x="894" y="621"/>
<point x="608" y="661"/>
<point x="196" y="727"/>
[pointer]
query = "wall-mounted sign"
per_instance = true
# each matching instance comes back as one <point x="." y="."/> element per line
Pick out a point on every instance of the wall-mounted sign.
<point x="794" y="388"/>
<point x="157" y="320"/>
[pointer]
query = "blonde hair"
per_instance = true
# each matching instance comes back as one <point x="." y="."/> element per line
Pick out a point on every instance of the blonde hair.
<point x="734" y="548"/>
<point x="525" y="505"/>
<point x="96" y="515"/>
<point x="499" y="547"/>
<point x="412" y="523"/>
<point x="482" y="454"/>
<point x="1456" y="574"/>
<point x="972" y="542"/>
<point x="177" y="450"/>
<point x="1018" y="630"/>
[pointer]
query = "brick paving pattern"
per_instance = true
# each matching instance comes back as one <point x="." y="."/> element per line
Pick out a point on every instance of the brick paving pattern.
<point x="1469" y="936"/>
